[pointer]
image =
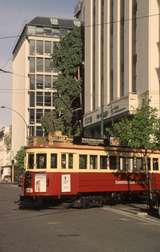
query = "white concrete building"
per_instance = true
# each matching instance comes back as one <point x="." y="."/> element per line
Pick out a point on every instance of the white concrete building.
<point x="33" y="77"/>
<point x="122" y="58"/>
<point x="5" y="155"/>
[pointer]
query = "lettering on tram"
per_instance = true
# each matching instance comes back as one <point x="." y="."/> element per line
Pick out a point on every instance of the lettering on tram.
<point x="88" y="174"/>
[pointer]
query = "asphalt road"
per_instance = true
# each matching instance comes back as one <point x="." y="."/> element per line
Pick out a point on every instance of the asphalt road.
<point x="107" y="229"/>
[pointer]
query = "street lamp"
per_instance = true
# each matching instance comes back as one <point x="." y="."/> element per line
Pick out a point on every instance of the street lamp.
<point x="5" y="107"/>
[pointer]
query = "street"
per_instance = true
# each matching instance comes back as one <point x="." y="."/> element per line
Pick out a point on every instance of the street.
<point x="58" y="229"/>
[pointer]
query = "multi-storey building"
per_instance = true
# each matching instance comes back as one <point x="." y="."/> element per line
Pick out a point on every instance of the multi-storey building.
<point x="33" y="76"/>
<point x="122" y="58"/>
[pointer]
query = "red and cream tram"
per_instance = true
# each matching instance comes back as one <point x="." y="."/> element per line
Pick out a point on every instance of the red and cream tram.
<point x="88" y="175"/>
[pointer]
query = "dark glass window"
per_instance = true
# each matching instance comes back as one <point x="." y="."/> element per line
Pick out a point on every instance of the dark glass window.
<point x="39" y="64"/>
<point x="39" y="100"/>
<point x="53" y="160"/>
<point x="63" y="160"/>
<point x="30" y="160"/>
<point x="39" y="81"/>
<point x="41" y="160"/>
<point x="32" y="65"/>
<point x="82" y="161"/>
<point x="32" y="99"/>
<point x="103" y="162"/>
<point x="39" y="47"/>
<point x="93" y="162"/>
<point x="47" y="47"/>
<point x="31" y="116"/>
<point x="32" y="47"/>
<point x="39" y="114"/>
<point x="47" y="99"/>
<point x="47" y="65"/>
<point x="155" y="164"/>
<point x="48" y="81"/>
<point x="70" y="161"/>
<point x="39" y="131"/>
<point x="32" y="82"/>
<point x="113" y="162"/>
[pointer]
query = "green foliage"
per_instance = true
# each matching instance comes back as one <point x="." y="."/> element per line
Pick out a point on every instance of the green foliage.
<point x="51" y="122"/>
<point x="141" y="131"/>
<point x="67" y="59"/>
<point x="20" y="158"/>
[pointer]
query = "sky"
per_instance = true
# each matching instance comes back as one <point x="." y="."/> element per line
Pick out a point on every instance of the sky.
<point x="14" y="14"/>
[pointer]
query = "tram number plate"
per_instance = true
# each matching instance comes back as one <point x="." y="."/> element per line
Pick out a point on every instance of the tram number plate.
<point x="66" y="183"/>
<point x="40" y="183"/>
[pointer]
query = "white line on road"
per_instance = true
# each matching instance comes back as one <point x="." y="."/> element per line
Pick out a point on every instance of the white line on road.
<point x="145" y="219"/>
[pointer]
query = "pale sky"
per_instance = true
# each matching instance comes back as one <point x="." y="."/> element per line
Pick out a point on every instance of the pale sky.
<point x="13" y="16"/>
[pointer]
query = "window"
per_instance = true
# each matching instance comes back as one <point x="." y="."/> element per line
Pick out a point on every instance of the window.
<point x="54" y="81"/>
<point x="155" y="164"/>
<point x="31" y="116"/>
<point x="39" y="99"/>
<point x="139" y="164"/>
<point x="39" y="114"/>
<point x="39" y="81"/>
<point x="39" y="64"/>
<point x="103" y="162"/>
<point x="32" y="99"/>
<point x="39" y="47"/>
<point x="82" y="161"/>
<point x="32" y="47"/>
<point x="70" y="161"/>
<point x="32" y="65"/>
<point x="32" y="82"/>
<point x="47" y="65"/>
<point x="39" y="131"/>
<point x="93" y="162"/>
<point x="53" y="161"/>
<point x="63" y="161"/>
<point x="47" y="47"/>
<point x="126" y="164"/>
<point x="113" y="162"/>
<point x="31" y="131"/>
<point x="41" y="161"/>
<point x="149" y="163"/>
<point x="48" y="81"/>
<point x="47" y="99"/>
<point x="30" y="161"/>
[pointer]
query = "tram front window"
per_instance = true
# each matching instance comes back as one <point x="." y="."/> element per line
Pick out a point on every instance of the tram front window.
<point x="53" y="161"/>
<point x="41" y="161"/>
<point x="30" y="161"/>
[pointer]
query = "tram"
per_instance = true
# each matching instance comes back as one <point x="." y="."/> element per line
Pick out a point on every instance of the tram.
<point x="86" y="174"/>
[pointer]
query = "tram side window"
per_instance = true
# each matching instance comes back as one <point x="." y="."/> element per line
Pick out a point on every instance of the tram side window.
<point x="41" y="160"/>
<point x="139" y="164"/>
<point x="70" y="161"/>
<point x="82" y="161"/>
<point x="30" y="161"/>
<point x="103" y="162"/>
<point x="126" y="163"/>
<point x="149" y="163"/>
<point x="113" y="162"/>
<point x="93" y="162"/>
<point x="53" y="161"/>
<point x="155" y="164"/>
<point x="63" y="161"/>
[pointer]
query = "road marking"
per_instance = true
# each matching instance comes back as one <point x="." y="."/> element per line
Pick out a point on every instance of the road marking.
<point x="145" y="219"/>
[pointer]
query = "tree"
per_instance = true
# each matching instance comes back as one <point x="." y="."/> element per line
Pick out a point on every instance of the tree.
<point x="140" y="131"/>
<point x="20" y="158"/>
<point x="67" y="60"/>
<point x="51" y="122"/>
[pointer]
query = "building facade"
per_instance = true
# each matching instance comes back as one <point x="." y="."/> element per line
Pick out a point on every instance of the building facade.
<point x="122" y="59"/>
<point x="33" y="76"/>
<point x="5" y="154"/>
